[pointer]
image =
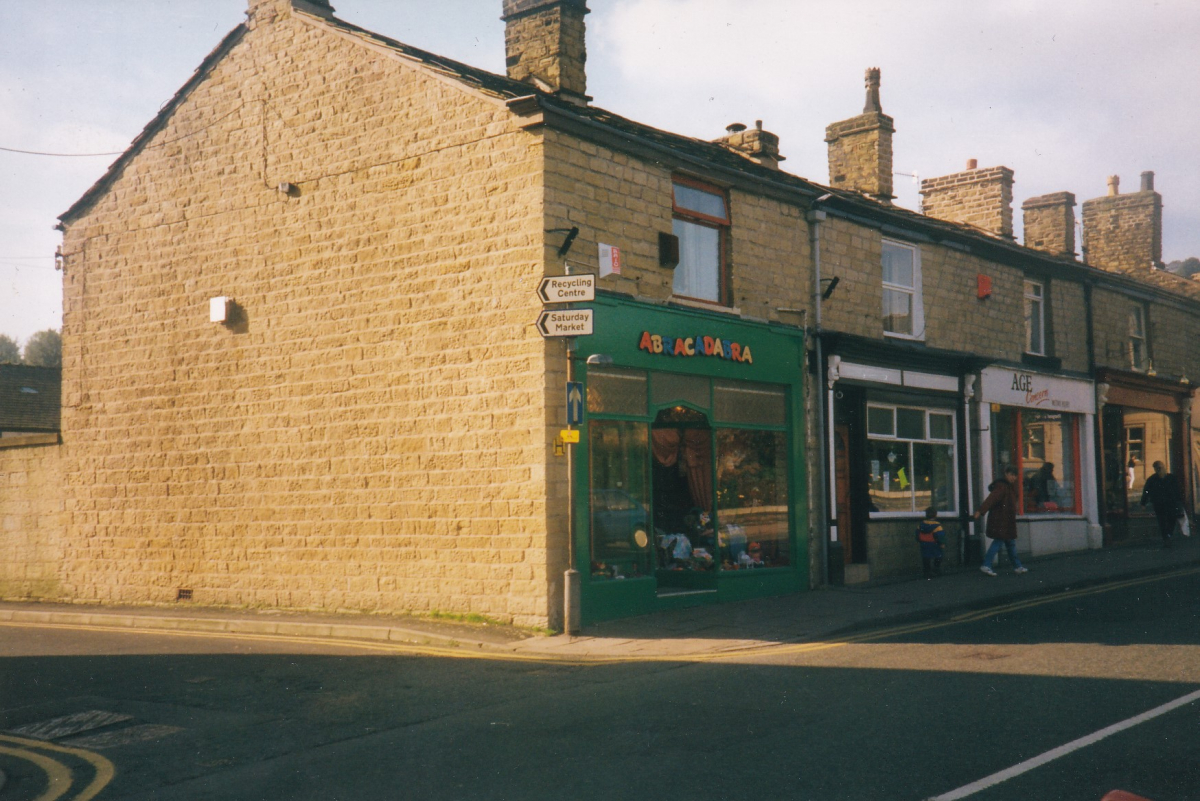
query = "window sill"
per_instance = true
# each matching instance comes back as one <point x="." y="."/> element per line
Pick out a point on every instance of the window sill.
<point x="943" y="514"/>
<point x="1035" y="518"/>
<point x="905" y="337"/>
<point x="733" y="311"/>
<point x="1040" y="360"/>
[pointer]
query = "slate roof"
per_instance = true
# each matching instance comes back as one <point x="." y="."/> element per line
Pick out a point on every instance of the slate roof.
<point x="30" y="398"/>
<point x="984" y="242"/>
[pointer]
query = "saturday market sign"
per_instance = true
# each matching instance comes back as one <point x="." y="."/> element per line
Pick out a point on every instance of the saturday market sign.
<point x="695" y="346"/>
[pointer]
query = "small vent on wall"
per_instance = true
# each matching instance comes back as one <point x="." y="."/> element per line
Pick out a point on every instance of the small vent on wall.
<point x="183" y="595"/>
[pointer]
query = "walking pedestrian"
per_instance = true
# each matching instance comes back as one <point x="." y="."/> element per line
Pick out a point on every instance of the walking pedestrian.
<point x="1001" y="509"/>
<point x="1162" y="490"/>
<point x="933" y="542"/>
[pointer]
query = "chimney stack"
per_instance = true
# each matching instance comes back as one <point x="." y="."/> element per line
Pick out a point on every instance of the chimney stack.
<point x="1050" y="223"/>
<point x="860" y="148"/>
<point x="544" y="41"/>
<point x="979" y="197"/>
<point x="761" y="146"/>
<point x="1124" y="232"/>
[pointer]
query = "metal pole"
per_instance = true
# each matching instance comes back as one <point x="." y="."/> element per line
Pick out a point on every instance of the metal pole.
<point x="814" y="233"/>
<point x="571" y="579"/>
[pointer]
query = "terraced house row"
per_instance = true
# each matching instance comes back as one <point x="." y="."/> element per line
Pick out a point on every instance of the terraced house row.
<point x="307" y="364"/>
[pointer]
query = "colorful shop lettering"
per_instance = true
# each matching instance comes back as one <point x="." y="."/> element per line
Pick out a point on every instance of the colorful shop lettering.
<point x="696" y="346"/>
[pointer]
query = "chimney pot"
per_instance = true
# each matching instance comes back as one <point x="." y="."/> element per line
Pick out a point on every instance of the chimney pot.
<point x="758" y="125"/>
<point x="872" y="104"/>
<point x="1114" y="185"/>
<point x="860" y="148"/>
<point x="972" y="164"/>
<point x="1148" y="181"/>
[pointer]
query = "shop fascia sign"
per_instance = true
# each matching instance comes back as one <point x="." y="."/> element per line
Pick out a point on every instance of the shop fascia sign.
<point x="701" y="345"/>
<point x="1010" y="387"/>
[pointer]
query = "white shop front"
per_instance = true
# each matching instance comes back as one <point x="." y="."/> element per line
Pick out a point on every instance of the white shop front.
<point x="1045" y="426"/>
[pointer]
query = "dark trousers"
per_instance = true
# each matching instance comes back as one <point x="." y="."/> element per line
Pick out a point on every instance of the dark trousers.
<point x="932" y="566"/>
<point x="1166" y="525"/>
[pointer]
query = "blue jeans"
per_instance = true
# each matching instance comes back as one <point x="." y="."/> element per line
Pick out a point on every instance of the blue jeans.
<point x="1009" y="545"/>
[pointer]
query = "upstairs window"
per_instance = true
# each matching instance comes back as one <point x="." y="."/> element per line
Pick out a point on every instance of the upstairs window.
<point x="1137" y="339"/>
<point x="1035" y="318"/>
<point x="702" y="225"/>
<point x="903" y="313"/>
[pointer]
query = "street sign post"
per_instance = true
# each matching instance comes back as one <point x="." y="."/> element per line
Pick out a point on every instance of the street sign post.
<point x="567" y="288"/>
<point x="565" y="323"/>
<point x="574" y="403"/>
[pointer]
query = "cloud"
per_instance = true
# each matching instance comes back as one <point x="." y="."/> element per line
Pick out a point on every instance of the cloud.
<point x="1065" y="92"/>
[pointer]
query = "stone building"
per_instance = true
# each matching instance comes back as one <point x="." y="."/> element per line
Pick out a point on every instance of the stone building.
<point x="306" y="364"/>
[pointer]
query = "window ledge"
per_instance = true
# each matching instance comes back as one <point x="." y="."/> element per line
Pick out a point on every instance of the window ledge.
<point x="1040" y="360"/>
<point x="26" y="440"/>
<point x="905" y="337"/>
<point x="1037" y="518"/>
<point x="733" y="311"/>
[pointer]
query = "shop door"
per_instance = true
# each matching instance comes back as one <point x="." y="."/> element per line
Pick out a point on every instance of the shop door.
<point x="681" y="441"/>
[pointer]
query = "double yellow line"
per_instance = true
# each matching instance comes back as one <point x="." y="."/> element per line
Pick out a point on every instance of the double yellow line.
<point x="59" y="774"/>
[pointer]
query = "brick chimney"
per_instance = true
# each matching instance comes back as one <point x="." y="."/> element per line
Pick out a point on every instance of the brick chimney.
<point x="544" y="44"/>
<point x="761" y="146"/>
<point x="1050" y="223"/>
<point x="1124" y="232"/>
<point x="860" y="148"/>
<point x="979" y="197"/>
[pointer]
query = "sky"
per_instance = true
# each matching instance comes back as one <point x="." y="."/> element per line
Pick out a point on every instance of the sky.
<point x="1064" y="92"/>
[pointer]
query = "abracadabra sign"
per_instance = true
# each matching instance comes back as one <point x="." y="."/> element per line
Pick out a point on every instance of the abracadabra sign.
<point x="1014" y="387"/>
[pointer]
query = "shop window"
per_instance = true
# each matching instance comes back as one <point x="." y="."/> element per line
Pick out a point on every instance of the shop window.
<point x="612" y="390"/>
<point x="1137" y="339"/>
<point x="903" y="313"/>
<point x="620" y="499"/>
<point x="1044" y="447"/>
<point x="738" y="402"/>
<point x="674" y="388"/>
<point x="701" y="224"/>
<point x="911" y="455"/>
<point x="1035" y="318"/>
<point x="752" y="498"/>
<point x="1149" y="438"/>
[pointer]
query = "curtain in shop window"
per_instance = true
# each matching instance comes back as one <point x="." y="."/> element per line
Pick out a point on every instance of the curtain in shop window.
<point x="665" y="442"/>
<point x="697" y="456"/>
<point x="694" y="446"/>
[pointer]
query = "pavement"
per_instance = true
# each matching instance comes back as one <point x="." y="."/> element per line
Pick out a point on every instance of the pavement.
<point x="685" y="634"/>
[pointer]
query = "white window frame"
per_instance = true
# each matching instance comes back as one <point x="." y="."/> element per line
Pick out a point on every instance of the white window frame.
<point x="1137" y="320"/>
<point x="1037" y="299"/>
<point x="928" y="440"/>
<point x="918" y="306"/>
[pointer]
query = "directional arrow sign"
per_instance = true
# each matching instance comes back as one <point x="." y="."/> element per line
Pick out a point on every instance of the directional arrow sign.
<point x="566" y="288"/>
<point x="565" y="323"/>
<point x="574" y="403"/>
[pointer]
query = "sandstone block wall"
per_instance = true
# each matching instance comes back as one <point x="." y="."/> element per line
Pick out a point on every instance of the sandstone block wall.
<point x="979" y="197"/>
<point x="1123" y="232"/>
<point x="618" y="199"/>
<point x="1049" y="222"/>
<point x="369" y="432"/>
<point x="860" y="154"/>
<point x="31" y="513"/>
<point x="1171" y="334"/>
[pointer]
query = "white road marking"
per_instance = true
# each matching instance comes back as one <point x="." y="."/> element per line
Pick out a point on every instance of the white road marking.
<point x="1063" y="750"/>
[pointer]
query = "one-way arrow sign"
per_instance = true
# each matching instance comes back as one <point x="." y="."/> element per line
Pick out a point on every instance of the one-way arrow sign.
<point x="567" y="288"/>
<point x="565" y="323"/>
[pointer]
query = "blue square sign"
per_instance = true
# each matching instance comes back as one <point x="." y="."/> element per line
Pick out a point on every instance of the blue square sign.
<point x="574" y="403"/>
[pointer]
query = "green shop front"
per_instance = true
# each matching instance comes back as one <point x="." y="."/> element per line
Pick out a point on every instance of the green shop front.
<point x="691" y="460"/>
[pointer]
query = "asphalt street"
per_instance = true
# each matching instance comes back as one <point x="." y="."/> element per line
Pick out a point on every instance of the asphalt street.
<point x="924" y="710"/>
